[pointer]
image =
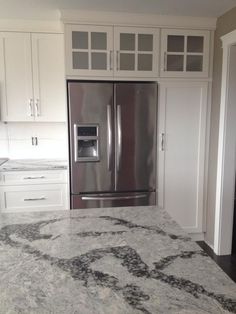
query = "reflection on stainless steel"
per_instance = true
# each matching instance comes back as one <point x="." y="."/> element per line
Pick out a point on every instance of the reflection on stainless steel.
<point x="126" y="116"/>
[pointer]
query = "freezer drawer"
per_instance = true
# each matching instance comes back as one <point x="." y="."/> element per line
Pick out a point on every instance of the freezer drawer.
<point x="112" y="200"/>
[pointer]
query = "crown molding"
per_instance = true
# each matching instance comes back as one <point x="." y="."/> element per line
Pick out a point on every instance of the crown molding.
<point x="53" y="26"/>
<point x="129" y="19"/>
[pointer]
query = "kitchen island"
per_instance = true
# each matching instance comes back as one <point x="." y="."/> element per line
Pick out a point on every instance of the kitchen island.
<point x="119" y="261"/>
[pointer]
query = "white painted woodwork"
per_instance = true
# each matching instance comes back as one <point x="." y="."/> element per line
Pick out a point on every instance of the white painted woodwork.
<point x="33" y="177"/>
<point x="16" y="77"/>
<point x="226" y="163"/>
<point x="182" y="120"/>
<point x="33" y="190"/>
<point x="41" y="197"/>
<point x="32" y="77"/>
<point x="154" y="53"/>
<point x="48" y="77"/>
<point x="164" y="53"/>
<point x="89" y="71"/>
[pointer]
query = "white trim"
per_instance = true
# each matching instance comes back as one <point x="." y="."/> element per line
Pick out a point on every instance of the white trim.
<point x="130" y="19"/>
<point x="40" y="26"/>
<point x="223" y="229"/>
<point x="197" y="236"/>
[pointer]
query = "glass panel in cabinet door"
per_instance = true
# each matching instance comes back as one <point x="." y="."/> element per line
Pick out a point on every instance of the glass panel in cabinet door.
<point x="80" y="60"/>
<point x="98" y="61"/>
<point x="194" y="63"/>
<point x="195" y="44"/>
<point x="98" y="41"/>
<point x="175" y="63"/>
<point x="127" y="61"/>
<point x="145" y="42"/>
<point x="79" y="40"/>
<point x="127" y="41"/>
<point x="175" y="43"/>
<point x="144" y="62"/>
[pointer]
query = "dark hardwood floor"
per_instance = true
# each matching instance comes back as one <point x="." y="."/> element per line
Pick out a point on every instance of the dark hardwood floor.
<point x="226" y="262"/>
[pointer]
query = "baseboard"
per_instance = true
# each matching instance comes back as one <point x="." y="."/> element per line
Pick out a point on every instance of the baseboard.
<point x="210" y="245"/>
<point x="197" y="236"/>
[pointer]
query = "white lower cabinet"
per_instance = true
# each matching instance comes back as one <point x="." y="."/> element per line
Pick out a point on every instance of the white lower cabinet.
<point x="33" y="191"/>
<point x="181" y="155"/>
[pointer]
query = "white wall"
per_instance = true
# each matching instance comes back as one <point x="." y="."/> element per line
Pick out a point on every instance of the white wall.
<point x="15" y="140"/>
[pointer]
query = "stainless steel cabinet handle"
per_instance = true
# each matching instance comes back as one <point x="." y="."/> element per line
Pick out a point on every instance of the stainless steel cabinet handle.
<point x="31" y="107"/>
<point x="29" y="178"/>
<point x="162" y="142"/>
<point x="43" y="198"/>
<point x="109" y="137"/>
<point x="94" y="198"/>
<point x="119" y="137"/>
<point x="37" y="107"/>
<point x="111" y="60"/>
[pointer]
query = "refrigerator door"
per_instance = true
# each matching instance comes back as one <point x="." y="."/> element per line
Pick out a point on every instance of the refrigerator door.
<point x="112" y="200"/>
<point x="91" y="117"/>
<point x="136" y="116"/>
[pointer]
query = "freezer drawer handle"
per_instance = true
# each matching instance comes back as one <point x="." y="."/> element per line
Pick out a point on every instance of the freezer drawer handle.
<point x="109" y="137"/>
<point x="93" y="198"/>
<point x="119" y="137"/>
<point x="35" y="199"/>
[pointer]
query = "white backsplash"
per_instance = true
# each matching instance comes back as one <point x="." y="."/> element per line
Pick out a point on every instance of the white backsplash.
<point x="16" y="140"/>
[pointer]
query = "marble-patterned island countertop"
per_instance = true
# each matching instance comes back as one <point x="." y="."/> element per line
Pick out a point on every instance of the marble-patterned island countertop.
<point x="107" y="261"/>
<point x="33" y="164"/>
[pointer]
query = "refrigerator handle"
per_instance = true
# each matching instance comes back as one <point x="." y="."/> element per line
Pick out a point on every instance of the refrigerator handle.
<point x="109" y="137"/>
<point x="119" y="137"/>
<point x="103" y="198"/>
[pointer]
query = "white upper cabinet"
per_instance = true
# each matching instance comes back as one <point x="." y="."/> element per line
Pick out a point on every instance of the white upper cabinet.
<point x="108" y="51"/>
<point x="184" y="53"/>
<point x="16" y="77"/>
<point x="32" y="77"/>
<point x="89" y="50"/>
<point x="48" y="77"/>
<point x="137" y="51"/>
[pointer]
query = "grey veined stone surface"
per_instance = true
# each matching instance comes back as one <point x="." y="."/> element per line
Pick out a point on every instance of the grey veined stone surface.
<point x="33" y="164"/>
<point x="106" y="261"/>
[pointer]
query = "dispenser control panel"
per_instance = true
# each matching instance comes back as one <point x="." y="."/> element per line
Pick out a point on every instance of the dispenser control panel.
<point x="86" y="140"/>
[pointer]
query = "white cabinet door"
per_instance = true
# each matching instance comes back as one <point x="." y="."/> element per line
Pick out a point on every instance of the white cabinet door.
<point x="16" y="77"/>
<point x="89" y="50"/>
<point x="184" y="53"/>
<point x="182" y="131"/>
<point x="49" y="77"/>
<point x="41" y="197"/>
<point x="136" y="52"/>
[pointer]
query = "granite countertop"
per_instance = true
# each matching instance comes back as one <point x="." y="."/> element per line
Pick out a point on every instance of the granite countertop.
<point x="33" y="164"/>
<point x="103" y="261"/>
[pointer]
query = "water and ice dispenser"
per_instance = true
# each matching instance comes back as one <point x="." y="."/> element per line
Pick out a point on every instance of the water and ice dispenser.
<point x="86" y="137"/>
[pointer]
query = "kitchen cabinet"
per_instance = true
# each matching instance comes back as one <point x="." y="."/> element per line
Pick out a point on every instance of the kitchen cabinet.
<point x="89" y="50"/>
<point x="32" y="77"/>
<point x="181" y="155"/>
<point x="184" y="53"/>
<point x="108" y="51"/>
<point x="33" y="190"/>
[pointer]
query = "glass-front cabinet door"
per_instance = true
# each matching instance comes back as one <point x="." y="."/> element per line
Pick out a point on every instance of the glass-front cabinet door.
<point x="89" y="50"/>
<point x="184" y="53"/>
<point x="136" y="52"/>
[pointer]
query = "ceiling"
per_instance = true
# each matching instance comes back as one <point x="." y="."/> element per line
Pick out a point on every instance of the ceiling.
<point x="49" y="9"/>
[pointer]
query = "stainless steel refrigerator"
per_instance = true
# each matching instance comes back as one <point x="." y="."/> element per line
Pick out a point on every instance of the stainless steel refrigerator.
<point x="112" y="130"/>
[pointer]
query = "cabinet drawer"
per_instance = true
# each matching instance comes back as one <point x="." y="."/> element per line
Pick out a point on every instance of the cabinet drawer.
<point x="33" y="177"/>
<point x="34" y="198"/>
